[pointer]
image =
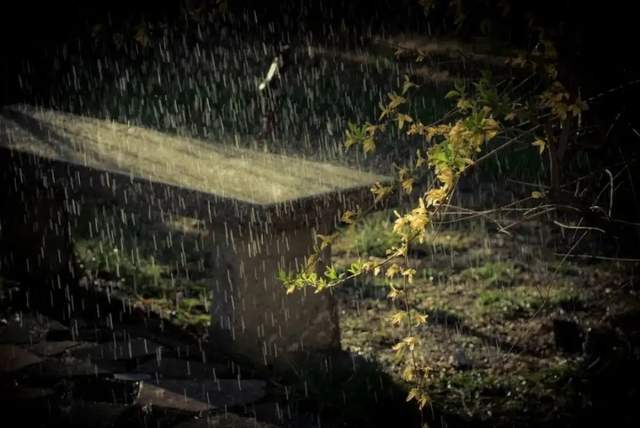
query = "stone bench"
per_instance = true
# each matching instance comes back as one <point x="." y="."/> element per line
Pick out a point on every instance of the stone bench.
<point x="256" y="213"/>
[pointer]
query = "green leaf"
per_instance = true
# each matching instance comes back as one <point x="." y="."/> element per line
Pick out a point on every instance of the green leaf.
<point x="452" y="94"/>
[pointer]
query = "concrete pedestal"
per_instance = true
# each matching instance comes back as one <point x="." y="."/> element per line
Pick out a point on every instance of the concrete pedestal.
<point x="256" y="213"/>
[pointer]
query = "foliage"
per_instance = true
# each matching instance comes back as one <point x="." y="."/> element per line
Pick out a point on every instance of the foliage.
<point x="535" y="111"/>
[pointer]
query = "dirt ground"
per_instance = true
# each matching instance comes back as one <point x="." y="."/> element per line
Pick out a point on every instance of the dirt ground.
<point x="515" y="335"/>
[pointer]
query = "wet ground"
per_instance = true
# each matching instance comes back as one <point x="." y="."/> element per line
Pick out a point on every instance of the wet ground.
<point x="516" y="336"/>
<point x="86" y="374"/>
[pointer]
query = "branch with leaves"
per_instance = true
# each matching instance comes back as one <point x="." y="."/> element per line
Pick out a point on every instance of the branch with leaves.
<point x="484" y="112"/>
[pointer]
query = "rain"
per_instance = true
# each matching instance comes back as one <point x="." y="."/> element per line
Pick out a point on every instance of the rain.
<point x="169" y="171"/>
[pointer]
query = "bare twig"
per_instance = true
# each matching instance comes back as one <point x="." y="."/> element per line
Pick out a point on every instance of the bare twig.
<point x="577" y="227"/>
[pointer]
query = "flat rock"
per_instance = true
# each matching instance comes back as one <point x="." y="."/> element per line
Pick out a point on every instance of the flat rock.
<point x="175" y="368"/>
<point x="105" y="389"/>
<point x="68" y="366"/>
<point x="22" y="329"/>
<point x="133" y="377"/>
<point x="49" y="349"/>
<point x="120" y="350"/>
<point x="201" y="396"/>
<point x="13" y="358"/>
<point x="228" y="420"/>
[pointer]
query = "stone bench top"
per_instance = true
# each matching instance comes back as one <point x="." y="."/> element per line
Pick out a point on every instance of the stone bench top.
<point x="228" y="172"/>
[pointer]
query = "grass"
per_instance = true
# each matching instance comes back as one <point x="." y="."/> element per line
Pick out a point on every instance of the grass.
<point x="482" y="393"/>
<point x="374" y="235"/>
<point x="148" y="280"/>
<point x="521" y="301"/>
<point x="493" y="273"/>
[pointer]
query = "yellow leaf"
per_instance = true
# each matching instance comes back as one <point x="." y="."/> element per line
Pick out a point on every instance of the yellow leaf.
<point x="447" y="177"/>
<point x="368" y="145"/>
<point x="423" y="400"/>
<point x="540" y="144"/>
<point x="408" y="84"/>
<point x="380" y="192"/>
<point x="413" y="393"/>
<point x="325" y="240"/>
<point x="464" y="104"/>
<point x="420" y="319"/>
<point x="392" y="271"/>
<point x="398" y="318"/>
<point x="395" y="100"/>
<point x="402" y="118"/>
<point x="409" y="274"/>
<point x="408" y="373"/>
<point x="436" y="196"/>
<point x="537" y="195"/>
<point x="394" y="293"/>
<point x="407" y="184"/>
<point x="348" y="217"/>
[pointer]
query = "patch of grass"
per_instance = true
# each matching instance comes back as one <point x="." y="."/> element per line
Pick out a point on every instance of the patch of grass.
<point x="520" y="301"/>
<point x="372" y="237"/>
<point x="366" y="287"/>
<point x="147" y="280"/>
<point x="492" y="274"/>
<point x="454" y="240"/>
<point x="476" y="392"/>
<point x="141" y="276"/>
<point x="444" y="315"/>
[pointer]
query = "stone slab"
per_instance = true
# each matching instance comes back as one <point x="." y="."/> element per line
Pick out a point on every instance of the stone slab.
<point x="68" y="367"/>
<point x="175" y="368"/>
<point x="50" y="349"/>
<point x="257" y="213"/>
<point x="228" y="420"/>
<point x="23" y="329"/>
<point x="201" y="395"/>
<point x="119" y="350"/>
<point x="14" y="358"/>
<point x="214" y="168"/>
